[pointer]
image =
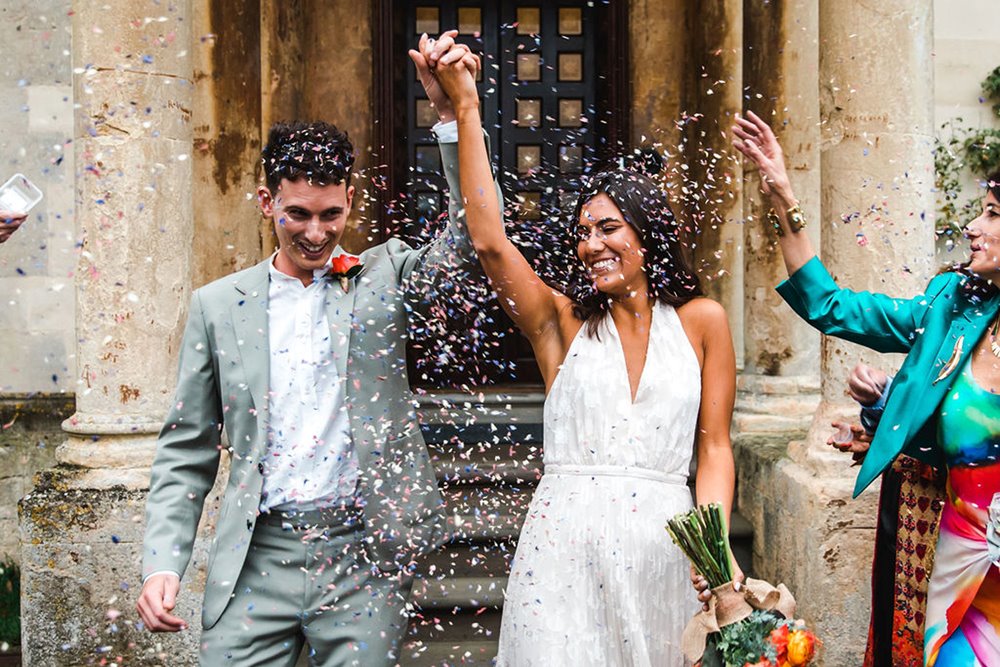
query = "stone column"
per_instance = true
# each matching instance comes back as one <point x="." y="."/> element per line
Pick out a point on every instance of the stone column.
<point x="714" y="188"/>
<point x="780" y="374"/>
<point x="81" y="526"/>
<point x="226" y="117"/>
<point x="658" y="57"/>
<point x="878" y="170"/>
<point x="876" y="219"/>
<point x="133" y="89"/>
<point x="282" y="72"/>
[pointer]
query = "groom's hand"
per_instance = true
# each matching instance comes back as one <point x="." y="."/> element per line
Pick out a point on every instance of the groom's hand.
<point x="157" y="600"/>
<point x="425" y="58"/>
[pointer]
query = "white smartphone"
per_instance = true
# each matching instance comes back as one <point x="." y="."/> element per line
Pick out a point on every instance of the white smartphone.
<point x="19" y="195"/>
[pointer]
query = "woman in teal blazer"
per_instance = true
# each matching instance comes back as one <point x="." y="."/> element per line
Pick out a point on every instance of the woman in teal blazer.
<point x="944" y="404"/>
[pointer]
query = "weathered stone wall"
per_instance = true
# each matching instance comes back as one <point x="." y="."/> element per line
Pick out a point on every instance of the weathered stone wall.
<point x="226" y="118"/>
<point x="81" y="555"/>
<point x="338" y="89"/>
<point x="37" y="263"/>
<point x="30" y="431"/>
<point x="810" y="535"/>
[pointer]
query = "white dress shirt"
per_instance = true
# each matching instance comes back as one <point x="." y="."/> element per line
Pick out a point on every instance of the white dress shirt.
<point x="310" y="461"/>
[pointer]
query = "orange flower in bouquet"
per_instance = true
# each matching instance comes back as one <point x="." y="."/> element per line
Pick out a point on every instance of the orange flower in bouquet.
<point x="801" y="647"/>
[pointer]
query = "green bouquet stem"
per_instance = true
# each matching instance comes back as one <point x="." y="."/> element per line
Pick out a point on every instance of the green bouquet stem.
<point x="702" y="535"/>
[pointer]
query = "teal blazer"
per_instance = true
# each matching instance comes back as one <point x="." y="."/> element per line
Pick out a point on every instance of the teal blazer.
<point x="937" y="330"/>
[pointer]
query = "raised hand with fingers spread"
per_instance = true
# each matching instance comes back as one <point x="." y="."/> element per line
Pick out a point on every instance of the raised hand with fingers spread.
<point x="756" y="141"/>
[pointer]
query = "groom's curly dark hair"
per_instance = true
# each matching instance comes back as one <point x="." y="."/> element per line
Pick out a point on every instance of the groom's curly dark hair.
<point x="317" y="152"/>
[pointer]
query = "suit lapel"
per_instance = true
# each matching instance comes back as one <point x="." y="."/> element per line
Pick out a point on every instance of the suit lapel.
<point x="340" y="316"/>
<point x="250" y="325"/>
<point x="964" y="333"/>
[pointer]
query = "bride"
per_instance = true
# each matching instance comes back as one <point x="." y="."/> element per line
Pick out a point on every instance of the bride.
<point x="639" y="371"/>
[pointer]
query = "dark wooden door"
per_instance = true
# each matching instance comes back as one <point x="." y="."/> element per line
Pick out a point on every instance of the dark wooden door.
<point x="552" y="96"/>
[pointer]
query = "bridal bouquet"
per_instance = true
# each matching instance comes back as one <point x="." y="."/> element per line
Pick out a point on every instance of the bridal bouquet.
<point x="751" y="627"/>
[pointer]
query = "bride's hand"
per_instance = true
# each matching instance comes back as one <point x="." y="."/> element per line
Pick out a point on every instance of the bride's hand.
<point x="704" y="592"/>
<point x="458" y="78"/>
<point x="754" y="138"/>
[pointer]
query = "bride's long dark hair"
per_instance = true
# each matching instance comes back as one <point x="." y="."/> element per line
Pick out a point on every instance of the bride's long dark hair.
<point x="643" y="203"/>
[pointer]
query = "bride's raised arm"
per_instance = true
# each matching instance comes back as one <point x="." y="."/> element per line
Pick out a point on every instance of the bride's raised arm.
<point x="533" y="305"/>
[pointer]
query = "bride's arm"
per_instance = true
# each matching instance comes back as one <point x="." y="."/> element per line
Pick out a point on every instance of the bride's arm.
<point x="705" y="323"/>
<point x="716" y="474"/>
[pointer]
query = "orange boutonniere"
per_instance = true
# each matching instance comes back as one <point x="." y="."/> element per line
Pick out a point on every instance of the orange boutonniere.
<point x="345" y="267"/>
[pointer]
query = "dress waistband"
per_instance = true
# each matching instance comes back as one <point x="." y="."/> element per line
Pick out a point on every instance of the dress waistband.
<point x="675" y="479"/>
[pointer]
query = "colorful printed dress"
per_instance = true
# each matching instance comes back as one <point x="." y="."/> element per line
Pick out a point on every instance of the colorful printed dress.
<point x="963" y="607"/>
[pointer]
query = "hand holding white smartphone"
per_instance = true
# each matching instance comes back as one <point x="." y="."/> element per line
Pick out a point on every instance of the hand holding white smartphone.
<point x="19" y="195"/>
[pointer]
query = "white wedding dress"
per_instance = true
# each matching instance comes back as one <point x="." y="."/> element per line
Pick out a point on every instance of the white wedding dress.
<point x="596" y="579"/>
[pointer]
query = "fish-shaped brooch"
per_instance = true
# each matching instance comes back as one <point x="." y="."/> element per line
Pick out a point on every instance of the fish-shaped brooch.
<point x="956" y="355"/>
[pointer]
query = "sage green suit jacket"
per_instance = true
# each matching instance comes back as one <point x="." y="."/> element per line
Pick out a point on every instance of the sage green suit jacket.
<point x="937" y="330"/>
<point x="222" y="387"/>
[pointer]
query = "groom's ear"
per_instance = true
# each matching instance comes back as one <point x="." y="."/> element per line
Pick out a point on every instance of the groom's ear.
<point x="265" y="200"/>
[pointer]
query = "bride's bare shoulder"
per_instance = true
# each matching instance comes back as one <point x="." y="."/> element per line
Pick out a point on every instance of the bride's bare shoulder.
<point x="702" y="313"/>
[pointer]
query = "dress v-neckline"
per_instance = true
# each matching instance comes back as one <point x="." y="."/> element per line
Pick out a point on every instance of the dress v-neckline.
<point x="645" y="358"/>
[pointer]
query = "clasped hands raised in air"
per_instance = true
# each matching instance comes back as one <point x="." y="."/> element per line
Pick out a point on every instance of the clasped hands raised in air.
<point x="448" y="71"/>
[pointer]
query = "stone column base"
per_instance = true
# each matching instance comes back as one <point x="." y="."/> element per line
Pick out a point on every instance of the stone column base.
<point x="81" y="556"/>
<point x="809" y="534"/>
<point x="775" y="404"/>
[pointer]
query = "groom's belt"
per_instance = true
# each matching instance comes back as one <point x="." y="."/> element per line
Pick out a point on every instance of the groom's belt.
<point x="616" y="471"/>
<point x="345" y="515"/>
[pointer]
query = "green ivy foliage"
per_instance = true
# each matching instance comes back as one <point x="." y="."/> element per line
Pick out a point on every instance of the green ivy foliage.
<point x="10" y="602"/>
<point x="959" y="150"/>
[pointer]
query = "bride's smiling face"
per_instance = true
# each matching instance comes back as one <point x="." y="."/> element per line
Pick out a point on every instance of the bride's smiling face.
<point x="610" y="248"/>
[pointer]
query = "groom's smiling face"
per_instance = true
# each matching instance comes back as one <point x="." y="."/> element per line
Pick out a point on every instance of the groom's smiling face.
<point x="309" y="221"/>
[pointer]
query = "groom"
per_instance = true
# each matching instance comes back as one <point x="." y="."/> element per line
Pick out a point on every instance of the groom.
<point x="297" y="368"/>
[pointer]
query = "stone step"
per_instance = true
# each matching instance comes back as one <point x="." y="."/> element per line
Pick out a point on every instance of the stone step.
<point x="453" y="609"/>
<point x="449" y="654"/>
<point x="484" y="454"/>
<point x="461" y="625"/>
<point x="486" y="511"/>
<point x="458" y="593"/>
<point x="482" y="433"/>
<point x="482" y="468"/>
<point x="484" y="559"/>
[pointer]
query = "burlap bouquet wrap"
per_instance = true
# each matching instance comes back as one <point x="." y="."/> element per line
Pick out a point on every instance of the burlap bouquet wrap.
<point x="728" y="606"/>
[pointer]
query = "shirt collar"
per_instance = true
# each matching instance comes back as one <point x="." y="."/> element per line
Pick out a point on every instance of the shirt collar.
<point x="318" y="274"/>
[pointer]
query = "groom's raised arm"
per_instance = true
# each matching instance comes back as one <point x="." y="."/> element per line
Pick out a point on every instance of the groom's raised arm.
<point x="434" y="273"/>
